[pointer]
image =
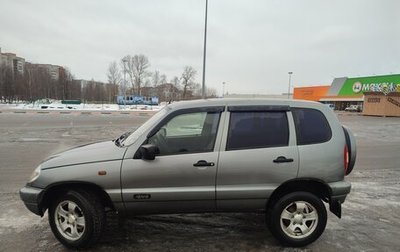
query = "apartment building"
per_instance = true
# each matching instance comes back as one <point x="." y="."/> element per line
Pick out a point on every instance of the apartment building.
<point x="17" y="64"/>
<point x="54" y="70"/>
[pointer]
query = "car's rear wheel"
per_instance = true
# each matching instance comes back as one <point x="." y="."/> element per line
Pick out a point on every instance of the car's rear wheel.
<point x="77" y="218"/>
<point x="297" y="219"/>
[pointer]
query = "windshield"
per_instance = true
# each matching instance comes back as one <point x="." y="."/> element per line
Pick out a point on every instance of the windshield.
<point x="139" y="131"/>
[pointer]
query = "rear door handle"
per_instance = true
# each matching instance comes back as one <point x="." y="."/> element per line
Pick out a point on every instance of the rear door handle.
<point x="282" y="159"/>
<point x="203" y="163"/>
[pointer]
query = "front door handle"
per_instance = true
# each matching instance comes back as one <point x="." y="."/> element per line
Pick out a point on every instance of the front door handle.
<point x="282" y="159"/>
<point x="203" y="163"/>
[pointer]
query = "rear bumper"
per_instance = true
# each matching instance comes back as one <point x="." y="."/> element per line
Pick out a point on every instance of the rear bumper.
<point x="32" y="198"/>
<point x="339" y="191"/>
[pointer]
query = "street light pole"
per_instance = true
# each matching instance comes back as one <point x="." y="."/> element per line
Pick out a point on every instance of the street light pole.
<point x="203" y="89"/>
<point x="290" y="78"/>
<point x="223" y="89"/>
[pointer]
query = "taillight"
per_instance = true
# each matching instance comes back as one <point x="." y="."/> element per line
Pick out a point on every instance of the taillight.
<point x="346" y="159"/>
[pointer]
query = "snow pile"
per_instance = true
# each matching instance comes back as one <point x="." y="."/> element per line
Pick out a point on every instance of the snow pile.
<point x="57" y="105"/>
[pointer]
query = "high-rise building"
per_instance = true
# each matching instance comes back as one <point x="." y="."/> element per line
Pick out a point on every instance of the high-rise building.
<point x="53" y="70"/>
<point x="16" y="64"/>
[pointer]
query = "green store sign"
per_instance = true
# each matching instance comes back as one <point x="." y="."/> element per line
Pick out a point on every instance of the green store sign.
<point x="357" y="86"/>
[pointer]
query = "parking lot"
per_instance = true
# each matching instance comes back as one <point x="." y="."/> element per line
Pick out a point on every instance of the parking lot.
<point x="370" y="216"/>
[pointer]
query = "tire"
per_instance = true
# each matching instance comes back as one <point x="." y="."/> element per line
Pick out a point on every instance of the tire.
<point x="77" y="219"/>
<point x="287" y="223"/>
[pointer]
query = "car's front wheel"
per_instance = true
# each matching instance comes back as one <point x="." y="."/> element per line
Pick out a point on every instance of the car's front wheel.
<point x="297" y="219"/>
<point x="77" y="218"/>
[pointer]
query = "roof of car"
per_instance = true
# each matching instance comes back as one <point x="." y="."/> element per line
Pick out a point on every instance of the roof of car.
<point x="243" y="102"/>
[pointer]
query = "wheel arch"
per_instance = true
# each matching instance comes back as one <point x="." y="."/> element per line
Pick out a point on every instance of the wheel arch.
<point x="311" y="185"/>
<point x="54" y="190"/>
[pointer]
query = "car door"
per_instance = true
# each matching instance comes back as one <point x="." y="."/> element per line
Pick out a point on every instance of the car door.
<point x="182" y="176"/>
<point x="258" y="154"/>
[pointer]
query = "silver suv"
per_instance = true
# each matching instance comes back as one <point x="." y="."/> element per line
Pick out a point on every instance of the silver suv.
<point x="282" y="157"/>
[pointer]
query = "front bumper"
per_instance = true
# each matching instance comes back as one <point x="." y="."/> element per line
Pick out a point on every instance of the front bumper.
<point x="32" y="198"/>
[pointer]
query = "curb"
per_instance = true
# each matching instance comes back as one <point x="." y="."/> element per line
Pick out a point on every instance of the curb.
<point x="348" y="114"/>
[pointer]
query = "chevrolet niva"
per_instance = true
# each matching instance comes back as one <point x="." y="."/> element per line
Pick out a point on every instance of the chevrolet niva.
<point x="282" y="157"/>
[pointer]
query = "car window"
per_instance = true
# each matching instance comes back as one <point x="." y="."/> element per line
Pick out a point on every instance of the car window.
<point x="187" y="133"/>
<point x="186" y="125"/>
<point x="311" y="126"/>
<point x="130" y="139"/>
<point x="262" y="129"/>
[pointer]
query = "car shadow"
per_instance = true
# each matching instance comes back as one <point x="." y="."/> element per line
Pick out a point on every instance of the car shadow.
<point x="188" y="232"/>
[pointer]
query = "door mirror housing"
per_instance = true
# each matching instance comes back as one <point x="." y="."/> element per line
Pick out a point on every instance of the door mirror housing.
<point x="148" y="151"/>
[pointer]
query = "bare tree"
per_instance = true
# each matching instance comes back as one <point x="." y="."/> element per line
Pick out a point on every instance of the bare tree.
<point x="137" y="70"/>
<point x="114" y="80"/>
<point x="123" y="88"/>
<point x="37" y="83"/>
<point x="64" y="84"/>
<point x="147" y="82"/>
<point x="7" y="83"/>
<point x="188" y="77"/>
<point x="163" y="79"/>
<point x="175" y="81"/>
<point x="155" y="78"/>
<point x="3" y="77"/>
<point x="111" y="92"/>
<point x="196" y="90"/>
<point x="114" y="74"/>
<point x="211" y="92"/>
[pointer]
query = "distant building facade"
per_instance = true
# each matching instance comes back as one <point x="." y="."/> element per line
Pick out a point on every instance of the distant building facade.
<point x="165" y="92"/>
<point x="377" y="95"/>
<point x="81" y="83"/>
<point x="11" y="60"/>
<point x="168" y="92"/>
<point x="54" y="71"/>
<point x="18" y="65"/>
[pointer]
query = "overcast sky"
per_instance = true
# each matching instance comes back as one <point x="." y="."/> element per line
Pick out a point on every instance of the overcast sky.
<point x="251" y="44"/>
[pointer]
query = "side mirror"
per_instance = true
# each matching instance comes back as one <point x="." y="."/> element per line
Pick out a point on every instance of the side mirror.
<point x="148" y="151"/>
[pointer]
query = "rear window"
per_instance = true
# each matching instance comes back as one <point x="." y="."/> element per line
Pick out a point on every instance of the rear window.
<point x="311" y="126"/>
<point x="262" y="129"/>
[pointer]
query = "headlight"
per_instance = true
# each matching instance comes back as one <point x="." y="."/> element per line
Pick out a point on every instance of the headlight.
<point x="35" y="174"/>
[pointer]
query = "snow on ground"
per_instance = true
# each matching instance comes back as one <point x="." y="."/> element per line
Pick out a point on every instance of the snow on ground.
<point x="57" y="105"/>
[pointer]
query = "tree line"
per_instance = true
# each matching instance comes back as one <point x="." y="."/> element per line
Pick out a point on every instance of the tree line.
<point x="37" y="83"/>
<point x="133" y="76"/>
